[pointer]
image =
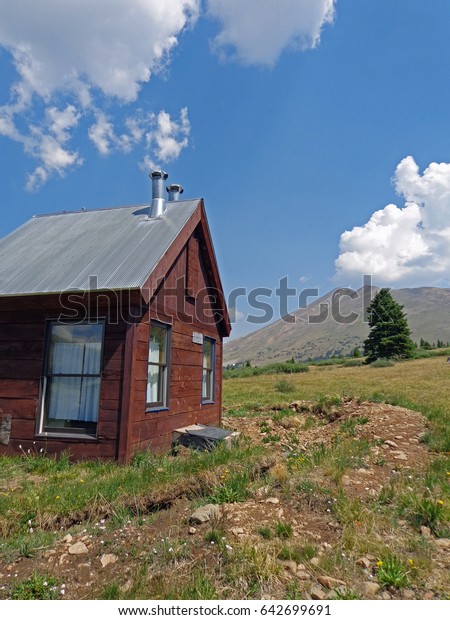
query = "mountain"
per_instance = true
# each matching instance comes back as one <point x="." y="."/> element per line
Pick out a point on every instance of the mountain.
<point x="427" y="310"/>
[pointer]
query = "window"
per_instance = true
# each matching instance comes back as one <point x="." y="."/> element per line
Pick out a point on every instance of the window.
<point x="72" y="378"/>
<point x="209" y="373"/>
<point x="158" y="366"/>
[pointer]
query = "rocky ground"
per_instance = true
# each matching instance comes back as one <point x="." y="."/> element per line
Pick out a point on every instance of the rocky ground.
<point x="85" y="560"/>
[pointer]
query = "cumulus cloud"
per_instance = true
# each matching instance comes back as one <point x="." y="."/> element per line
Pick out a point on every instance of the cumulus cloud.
<point x="409" y="244"/>
<point x="164" y="136"/>
<point x="257" y="31"/>
<point x="90" y="52"/>
<point x="77" y="45"/>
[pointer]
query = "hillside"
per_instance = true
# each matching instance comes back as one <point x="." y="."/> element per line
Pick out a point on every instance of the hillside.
<point x="427" y="310"/>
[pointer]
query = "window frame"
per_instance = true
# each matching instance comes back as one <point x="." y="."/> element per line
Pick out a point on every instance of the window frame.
<point x="212" y="399"/>
<point x="71" y="433"/>
<point x="161" y="405"/>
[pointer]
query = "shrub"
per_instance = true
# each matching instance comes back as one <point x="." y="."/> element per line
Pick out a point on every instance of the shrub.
<point x="381" y="363"/>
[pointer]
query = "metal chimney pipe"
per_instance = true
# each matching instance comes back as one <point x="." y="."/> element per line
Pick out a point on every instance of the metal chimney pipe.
<point x="158" y="202"/>
<point x="175" y="190"/>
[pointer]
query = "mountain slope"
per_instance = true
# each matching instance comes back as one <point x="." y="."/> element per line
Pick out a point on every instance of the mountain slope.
<point x="427" y="310"/>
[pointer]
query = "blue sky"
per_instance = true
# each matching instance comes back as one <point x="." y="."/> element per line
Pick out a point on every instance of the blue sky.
<point x="317" y="131"/>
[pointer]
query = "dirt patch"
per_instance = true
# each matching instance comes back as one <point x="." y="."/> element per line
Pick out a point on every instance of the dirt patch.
<point x="394" y="433"/>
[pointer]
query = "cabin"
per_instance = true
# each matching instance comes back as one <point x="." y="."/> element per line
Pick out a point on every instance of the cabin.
<point x="111" y="329"/>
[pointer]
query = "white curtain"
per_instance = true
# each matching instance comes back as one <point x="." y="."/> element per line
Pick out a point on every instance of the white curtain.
<point x="74" y="398"/>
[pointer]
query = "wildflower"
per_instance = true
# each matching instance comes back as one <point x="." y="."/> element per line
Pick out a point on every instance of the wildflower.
<point x="58" y="497"/>
<point x="411" y="562"/>
<point x="440" y="502"/>
<point x="82" y="481"/>
<point x="379" y="563"/>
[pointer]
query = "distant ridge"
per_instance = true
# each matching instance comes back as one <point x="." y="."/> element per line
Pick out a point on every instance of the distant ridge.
<point x="427" y="310"/>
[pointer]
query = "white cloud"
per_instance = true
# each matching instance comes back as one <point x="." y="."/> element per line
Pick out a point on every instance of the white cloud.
<point x="257" y="31"/>
<point x="404" y="245"/>
<point x="164" y="136"/>
<point x="88" y="52"/>
<point x="77" y="45"/>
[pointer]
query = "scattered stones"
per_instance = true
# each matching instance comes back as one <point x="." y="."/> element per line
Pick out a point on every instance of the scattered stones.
<point x="386" y="596"/>
<point x="370" y="589"/>
<point x="67" y="538"/>
<point x="391" y="444"/>
<point x="205" y="513"/>
<point x="345" y="481"/>
<point x="78" y="548"/>
<point x="400" y="456"/>
<point x="107" y="559"/>
<point x="192" y="531"/>
<point x="302" y="575"/>
<point x="408" y="594"/>
<point x="318" y="594"/>
<point x="237" y="531"/>
<point x="428" y="596"/>
<point x="443" y="543"/>
<point x="272" y="500"/>
<point x="330" y="582"/>
<point x="315" y="561"/>
<point x="425" y="531"/>
<point x="364" y="562"/>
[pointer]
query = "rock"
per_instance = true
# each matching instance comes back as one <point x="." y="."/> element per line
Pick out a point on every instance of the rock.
<point x="67" y="538"/>
<point x="443" y="543"/>
<point x="330" y="582"/>
<point x="408" y="594"/>
<point x="400" y="456"/>
<point x="370" y="589"/>
<point x="391" y="444"/>
<point x="315" y="561"/>
<point x="63" y="558"/>
<point x="237" y="531"/>
<point x="127" y="586"/>
<point x="302" y="575"/>
<point x="425" y="531"/>
<point x="364" y="562"/>
<point x="365" y="472"/>
<point x="272" y="500"/>
<point x="428" y="596"/>
<point x="290" y="566"/>
<point x="192" y="531"/>
<point x="345" y="481"/>
<point x="317" y="594"/>
<point x="49" y="553"/>
<point x="78" y="548"/>
<point x="108" y="558"/>
<point x="84" y="573"/>
<point x="386" y="596"/>
<point x="398" y="437"/>
<point x="205" y="513"/>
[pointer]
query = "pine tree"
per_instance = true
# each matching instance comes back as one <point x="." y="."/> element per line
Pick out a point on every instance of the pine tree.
<point x="390" y="335"/>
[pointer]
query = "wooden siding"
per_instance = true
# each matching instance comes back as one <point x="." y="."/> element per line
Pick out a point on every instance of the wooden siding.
<point x="181" y="301"/>
<point x="22" y="342"/>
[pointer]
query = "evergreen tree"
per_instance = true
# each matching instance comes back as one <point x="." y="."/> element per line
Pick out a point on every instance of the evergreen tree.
<point x="390" y="335"/>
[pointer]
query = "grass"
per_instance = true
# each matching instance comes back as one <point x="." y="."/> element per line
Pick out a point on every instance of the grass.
<point x="420" y="384"/>
<point x="93" y="490"/>
<point x="37" y="587"/>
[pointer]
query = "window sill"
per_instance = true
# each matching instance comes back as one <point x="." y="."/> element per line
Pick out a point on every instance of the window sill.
<point x="156" y="409"/>
<point x="71" y="436"/>
<point x="208" y="402"/>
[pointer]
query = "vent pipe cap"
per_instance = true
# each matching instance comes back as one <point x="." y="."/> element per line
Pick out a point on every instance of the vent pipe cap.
<point x="158" y="205"/>
<point x="175" y="190"/>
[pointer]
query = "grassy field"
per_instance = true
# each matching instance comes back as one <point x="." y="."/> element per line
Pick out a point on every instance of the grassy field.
<point x="423" y="385"/>
<point x="303" y="517"/>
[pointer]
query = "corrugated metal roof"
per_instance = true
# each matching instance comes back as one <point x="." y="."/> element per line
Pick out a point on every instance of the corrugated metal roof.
<point x="60" y="252"/>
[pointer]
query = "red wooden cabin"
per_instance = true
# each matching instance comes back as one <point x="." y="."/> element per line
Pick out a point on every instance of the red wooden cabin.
<point x="111" y="328"/>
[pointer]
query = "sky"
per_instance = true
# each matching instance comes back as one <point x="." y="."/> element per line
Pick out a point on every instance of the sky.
<point x="317" y="131"/>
